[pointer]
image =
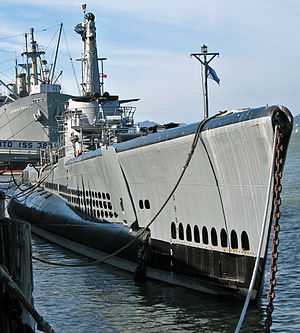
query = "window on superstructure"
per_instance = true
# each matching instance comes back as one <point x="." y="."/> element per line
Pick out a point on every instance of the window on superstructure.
<point x="188" y="233"/>
<point x="204" y="235"/>
<point x="234" y="240"/>
<point x="173" y="230"/>
<point x="224" y="238"/>
<point x="214" y="237"/>
<point x="196" y="234"/>
<point x="181" y="232"/>
<point x="245" y="241"/>
<point x="147" y="204"/>
<point x="141" y="204"/>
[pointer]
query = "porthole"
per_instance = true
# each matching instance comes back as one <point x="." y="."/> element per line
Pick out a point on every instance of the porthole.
<point x="147" y="204"/>
<point x="234" y="240"/>
<point x="173" y="230"/>
<point x="141" y="204"/>
<point x="204" y="235"/>
<point x="188" y="233"/>
<point x="245" y="241"/>
<point x="196" y="234"/>
<point x="214" y="237"/>
<point x="181" y="232"/>
<point x="224" y="238"/>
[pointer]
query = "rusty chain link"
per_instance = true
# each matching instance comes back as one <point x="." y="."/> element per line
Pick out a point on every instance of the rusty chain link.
<point x="276" y="228"/>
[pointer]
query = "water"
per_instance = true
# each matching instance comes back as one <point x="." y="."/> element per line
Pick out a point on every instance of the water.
<point x="105" y="299"/>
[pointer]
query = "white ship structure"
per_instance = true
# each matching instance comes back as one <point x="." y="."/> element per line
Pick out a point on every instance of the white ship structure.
<point x="29" y="107"/>
<point x="190" y="205"/>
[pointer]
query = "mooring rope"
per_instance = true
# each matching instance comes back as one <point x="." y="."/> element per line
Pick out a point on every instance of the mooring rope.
<point x="243" y="313"/>
<point x="14" y="289"/>
<point x="142" y="231"/>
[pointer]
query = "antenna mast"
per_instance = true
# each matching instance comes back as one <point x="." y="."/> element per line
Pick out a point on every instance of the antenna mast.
<point x="205" y="61"/>
<point x="56" y="52"/>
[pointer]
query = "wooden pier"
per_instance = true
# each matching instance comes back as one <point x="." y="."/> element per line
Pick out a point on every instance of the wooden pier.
<point x="15" y="260"/>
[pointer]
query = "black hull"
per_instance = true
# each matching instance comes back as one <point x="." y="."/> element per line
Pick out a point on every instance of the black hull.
<point x="213" y="272"/>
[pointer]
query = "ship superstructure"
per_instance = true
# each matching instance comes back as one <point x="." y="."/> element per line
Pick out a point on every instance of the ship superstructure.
<point x="29" y="107"/>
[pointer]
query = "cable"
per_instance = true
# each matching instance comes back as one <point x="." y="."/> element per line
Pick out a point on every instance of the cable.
<point x="142" y="231"/>
<point x="243" y="313"/>
<point x="17" y="292"/>
<point x="74" y="72"/>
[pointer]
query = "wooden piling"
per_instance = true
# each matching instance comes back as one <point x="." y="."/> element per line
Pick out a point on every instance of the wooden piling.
<point x="16" y="258"/>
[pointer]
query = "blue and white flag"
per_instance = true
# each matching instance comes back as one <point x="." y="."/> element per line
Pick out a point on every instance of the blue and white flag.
<point x="211" y="74"/>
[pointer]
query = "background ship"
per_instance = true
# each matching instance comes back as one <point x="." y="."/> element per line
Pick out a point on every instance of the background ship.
<point x="29" y="107"/>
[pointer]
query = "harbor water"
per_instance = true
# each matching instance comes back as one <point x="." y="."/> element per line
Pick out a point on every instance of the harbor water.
<point x="105" y="299"/>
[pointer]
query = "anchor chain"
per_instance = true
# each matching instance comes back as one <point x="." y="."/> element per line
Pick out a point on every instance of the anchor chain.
<point x="276" y="228"/>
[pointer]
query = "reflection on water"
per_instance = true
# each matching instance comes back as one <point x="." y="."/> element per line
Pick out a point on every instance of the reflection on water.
<point x="105" y="299"/>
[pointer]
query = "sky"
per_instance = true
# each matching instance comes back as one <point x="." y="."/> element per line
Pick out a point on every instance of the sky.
<point x="148" y="46"/>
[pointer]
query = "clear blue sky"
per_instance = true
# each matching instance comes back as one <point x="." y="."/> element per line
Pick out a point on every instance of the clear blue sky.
<point x="148" y="44"/>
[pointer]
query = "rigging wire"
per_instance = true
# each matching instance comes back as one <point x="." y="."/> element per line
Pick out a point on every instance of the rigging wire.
<point x="73" y="68"/>
<point x="22" y="34"/>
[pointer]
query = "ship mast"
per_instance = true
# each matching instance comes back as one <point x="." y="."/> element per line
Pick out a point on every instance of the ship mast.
<point x="27" y="65"/>
<point x="33" y="55"/>
<point x="207" y="58"/>
<point x="90" y="68"/>
<point x="56" y="52"/>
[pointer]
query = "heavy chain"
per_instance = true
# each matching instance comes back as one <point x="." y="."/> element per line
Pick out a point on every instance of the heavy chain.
<point x="276" y="228"/>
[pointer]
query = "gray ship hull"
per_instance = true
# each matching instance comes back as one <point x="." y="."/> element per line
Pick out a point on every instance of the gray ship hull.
<point x="208" y="234"/>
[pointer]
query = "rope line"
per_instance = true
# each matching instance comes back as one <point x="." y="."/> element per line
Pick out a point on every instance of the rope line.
<point x="243" y="313"/>
<point x="142" y="231"/>
<point x="14" y="289"/>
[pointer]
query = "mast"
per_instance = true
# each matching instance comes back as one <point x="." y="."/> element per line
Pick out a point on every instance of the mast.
<point x="33" y="54"/>
<point x="56" y="52"/>
<point x="27" y="65"/>
<point x="33" y="57"/>
<point x="90" y="68"/>
<point x="205" y="61"/>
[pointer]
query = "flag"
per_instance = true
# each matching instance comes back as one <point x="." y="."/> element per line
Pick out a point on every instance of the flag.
<point x="211" y="74"/>
<point x="43" y="62"/>
<point x="102" y="75"/>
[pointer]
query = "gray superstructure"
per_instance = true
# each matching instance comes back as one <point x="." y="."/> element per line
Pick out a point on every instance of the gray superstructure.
<point x="29" y="107"/>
